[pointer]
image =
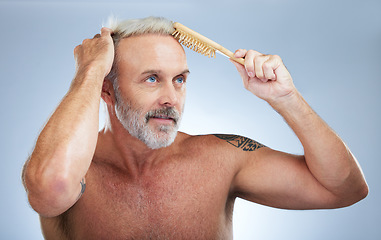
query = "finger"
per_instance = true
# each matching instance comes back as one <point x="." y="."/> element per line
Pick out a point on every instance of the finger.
<point x="97" y="35"/>
<point x="242" y="72"/>
<point x="249" y="62"/>
<point x="85" y="41"/>
<point x="240" y="53"/>
<point x="258" y="67"/>
<point x="269" y="68"/>
<point x="241" y="69"/>
<point x="76" y="49"/>
<point x="279" y="68"/>
<point x="106" y="31"/>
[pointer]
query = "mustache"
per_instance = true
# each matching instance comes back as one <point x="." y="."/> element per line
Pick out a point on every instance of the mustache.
<point x="167" y="113"/>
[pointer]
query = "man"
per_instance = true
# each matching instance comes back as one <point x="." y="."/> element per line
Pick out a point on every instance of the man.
<point x="141" y="179"/>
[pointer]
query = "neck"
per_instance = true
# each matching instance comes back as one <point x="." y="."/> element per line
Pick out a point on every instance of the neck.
<point x="119" y="148"/>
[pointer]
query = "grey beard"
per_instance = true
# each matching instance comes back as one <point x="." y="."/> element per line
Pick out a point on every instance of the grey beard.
<point x="162" y="136"/>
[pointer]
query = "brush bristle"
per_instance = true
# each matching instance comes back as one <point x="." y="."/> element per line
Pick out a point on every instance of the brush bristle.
<point x="194" y="43"/>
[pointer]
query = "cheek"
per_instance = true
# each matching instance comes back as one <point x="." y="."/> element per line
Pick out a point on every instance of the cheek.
<point x="146" y="101"/>
<point x="182" y="98"/>
<point x="137" y="96"/>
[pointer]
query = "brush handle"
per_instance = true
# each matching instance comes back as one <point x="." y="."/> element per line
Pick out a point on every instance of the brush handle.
<point x="209" y="42"/>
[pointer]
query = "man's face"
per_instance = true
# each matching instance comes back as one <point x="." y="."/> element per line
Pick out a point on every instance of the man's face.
<point x="152" y="71"/>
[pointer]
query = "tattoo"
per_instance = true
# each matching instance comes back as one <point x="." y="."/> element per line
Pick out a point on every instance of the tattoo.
<point x="83" y="187"/>
<point x="246" y="144"/>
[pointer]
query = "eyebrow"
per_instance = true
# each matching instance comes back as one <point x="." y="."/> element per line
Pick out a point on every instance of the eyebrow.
<point x="152" y="71"/>
<point x="186" y="71"/>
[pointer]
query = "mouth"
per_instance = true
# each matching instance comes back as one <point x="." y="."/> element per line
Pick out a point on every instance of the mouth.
<point x="163" y="116"/>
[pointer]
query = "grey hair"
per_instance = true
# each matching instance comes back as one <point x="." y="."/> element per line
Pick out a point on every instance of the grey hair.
<point x="135" y="27"/>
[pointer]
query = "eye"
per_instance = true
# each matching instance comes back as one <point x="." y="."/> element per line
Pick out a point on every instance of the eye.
<point x="180" y="80"/>
<point x="151" y="79"/>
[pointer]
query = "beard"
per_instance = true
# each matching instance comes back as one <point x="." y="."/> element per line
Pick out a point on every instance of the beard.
<point x="136" y="124"/>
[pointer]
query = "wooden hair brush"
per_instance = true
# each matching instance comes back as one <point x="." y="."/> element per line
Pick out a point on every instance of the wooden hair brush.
<point x="201" y="44"/>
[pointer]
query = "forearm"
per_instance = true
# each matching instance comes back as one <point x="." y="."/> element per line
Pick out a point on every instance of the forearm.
<point x="71" y="132"/>
<point x="65" y="147"/>
<point x="329" y="170"/>
<point x="326" y="155"/>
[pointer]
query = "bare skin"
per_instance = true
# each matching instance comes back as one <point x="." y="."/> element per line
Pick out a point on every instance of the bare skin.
<point x="186" y="190"/>
<point x="184" y="194"/>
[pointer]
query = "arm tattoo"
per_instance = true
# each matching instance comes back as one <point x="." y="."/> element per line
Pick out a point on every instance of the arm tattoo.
<point x="246" y="144"/>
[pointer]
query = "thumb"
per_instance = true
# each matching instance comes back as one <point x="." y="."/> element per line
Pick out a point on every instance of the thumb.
<point x="241" y="69"/>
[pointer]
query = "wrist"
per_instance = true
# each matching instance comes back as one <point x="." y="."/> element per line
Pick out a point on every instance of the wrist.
<point x="88" y="77"/>
<point x="91" y="70"/>
<point x="292" y="104"/>
<point x="279" y="103"/>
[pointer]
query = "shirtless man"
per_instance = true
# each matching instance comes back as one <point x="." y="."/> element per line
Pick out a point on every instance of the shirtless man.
<point x="145" y="180"/>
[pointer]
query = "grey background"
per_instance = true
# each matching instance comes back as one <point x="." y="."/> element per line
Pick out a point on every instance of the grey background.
<point x="332" y="49"/>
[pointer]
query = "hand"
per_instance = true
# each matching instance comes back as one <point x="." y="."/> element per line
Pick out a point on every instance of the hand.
<point x="264" y="75"/>
<point x="96" y="53"/>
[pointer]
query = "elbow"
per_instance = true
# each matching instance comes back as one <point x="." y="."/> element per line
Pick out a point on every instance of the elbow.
<point x="363" y="192"/>
<point x="354" y="196"/>
<point x="359" y="195"/>
<point x="48" y="197"/>
<point x="46" y="191"/>
<point x="352" y="189"/>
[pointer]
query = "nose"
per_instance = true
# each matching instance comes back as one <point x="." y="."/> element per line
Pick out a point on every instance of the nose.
<point x="168" y="95"/>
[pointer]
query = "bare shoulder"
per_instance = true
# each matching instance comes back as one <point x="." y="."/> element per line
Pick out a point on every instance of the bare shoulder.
<point x="230" y="152"/>
<point x="229" y="145"/>
<point x="240" y="142"/>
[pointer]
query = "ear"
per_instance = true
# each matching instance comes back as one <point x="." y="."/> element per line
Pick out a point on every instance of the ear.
<point x="108" y="94"/>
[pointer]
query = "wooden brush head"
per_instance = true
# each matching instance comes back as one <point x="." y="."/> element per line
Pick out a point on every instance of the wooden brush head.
<point x="198" y="43"/>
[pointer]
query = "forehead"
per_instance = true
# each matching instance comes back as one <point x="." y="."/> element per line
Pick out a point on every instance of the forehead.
<point x="151" y="51"/>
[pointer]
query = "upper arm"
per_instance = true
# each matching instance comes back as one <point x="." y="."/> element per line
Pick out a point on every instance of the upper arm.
<point x="275" y="178"/>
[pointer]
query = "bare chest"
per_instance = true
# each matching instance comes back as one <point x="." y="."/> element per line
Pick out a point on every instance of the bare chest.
<point x="174" y="202"/>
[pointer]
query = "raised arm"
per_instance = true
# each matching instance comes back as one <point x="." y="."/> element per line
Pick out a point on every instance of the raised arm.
<point x="327" y="176"/>
<point x="54" y="174"/>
